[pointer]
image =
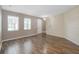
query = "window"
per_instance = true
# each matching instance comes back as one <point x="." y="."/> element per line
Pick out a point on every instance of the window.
<point x="13" y="23"/>
<point x="27" y="23"/>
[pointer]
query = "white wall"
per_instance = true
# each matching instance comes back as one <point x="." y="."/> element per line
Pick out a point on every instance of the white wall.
<point x="72" y="25"/>
<point x="65" y="25"/>
<point x="55" y="25"/>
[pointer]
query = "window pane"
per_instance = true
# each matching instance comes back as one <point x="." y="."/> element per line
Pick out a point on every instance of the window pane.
<point x="12" y="23"/>
<point x="27" y="23"/>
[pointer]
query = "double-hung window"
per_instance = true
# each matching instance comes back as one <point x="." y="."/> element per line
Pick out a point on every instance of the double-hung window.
<point x="27" y="23"/>
<point x="13" y="23"/>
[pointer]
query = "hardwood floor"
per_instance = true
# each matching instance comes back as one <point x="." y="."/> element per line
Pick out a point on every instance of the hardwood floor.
<point x="39" y="44"/>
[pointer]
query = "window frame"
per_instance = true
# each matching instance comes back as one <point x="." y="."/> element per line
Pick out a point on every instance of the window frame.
<point x="28" y="22"/>
<point x="15" y="23"/>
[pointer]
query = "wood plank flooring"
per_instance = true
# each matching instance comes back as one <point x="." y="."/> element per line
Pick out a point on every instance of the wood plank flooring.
<point x="39" y="44"/>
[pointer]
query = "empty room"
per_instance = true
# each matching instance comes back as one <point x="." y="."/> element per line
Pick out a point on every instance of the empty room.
<point x="39" y="29"/>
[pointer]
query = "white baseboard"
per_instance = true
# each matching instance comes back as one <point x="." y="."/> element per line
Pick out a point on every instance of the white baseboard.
<point x="34" y="35"/>
<point x="66" y="38"/>
<point x="72" y="41"/>
<point x="19" y="37"/>
<point x="55" y="35"/>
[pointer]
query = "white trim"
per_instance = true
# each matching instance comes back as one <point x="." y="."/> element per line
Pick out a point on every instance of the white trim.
<point x="72" y="41"/>
<point x="19" y="37"/>
<point x="65" y="38"/>
<point x="55" y="35"/>
<point x="34" y="35"/>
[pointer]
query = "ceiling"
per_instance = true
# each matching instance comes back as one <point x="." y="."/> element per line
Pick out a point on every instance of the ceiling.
<point x="39" y="10"/>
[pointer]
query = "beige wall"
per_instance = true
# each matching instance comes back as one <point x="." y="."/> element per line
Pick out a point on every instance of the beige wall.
<point x="55" y="25"/>
<point x="72" y="25"/>
<point x="14" y="34"/>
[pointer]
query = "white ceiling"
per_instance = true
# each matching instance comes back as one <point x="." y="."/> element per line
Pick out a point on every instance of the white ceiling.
<point x="39" y="10"/>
